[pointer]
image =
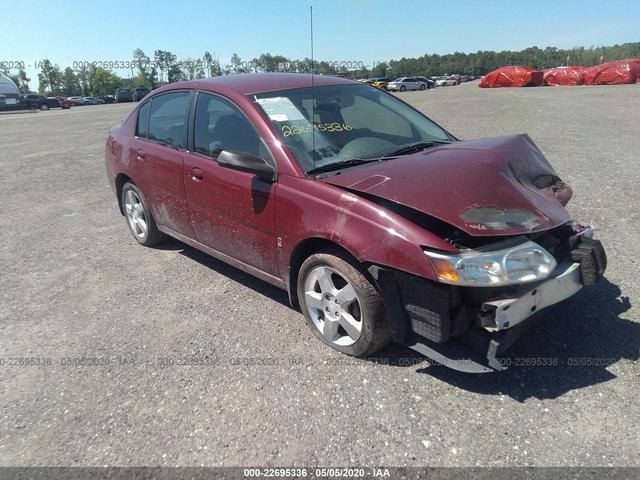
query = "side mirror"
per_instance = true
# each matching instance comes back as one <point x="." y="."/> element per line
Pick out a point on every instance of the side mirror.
<point x="246" y="162"/>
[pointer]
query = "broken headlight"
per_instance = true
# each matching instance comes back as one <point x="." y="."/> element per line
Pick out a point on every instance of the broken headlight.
<point x="505" y="263"/>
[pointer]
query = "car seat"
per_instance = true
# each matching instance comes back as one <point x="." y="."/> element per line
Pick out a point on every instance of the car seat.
<point x="234" y="133"/>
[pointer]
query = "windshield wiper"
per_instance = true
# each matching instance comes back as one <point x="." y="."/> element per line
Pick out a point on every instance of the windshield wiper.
<point x="386" y="154"/>
<point x="341" y="164"/>
<point x="410" y="148"/>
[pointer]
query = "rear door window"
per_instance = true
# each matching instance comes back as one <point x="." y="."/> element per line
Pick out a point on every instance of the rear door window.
<point x="168" y="119"/>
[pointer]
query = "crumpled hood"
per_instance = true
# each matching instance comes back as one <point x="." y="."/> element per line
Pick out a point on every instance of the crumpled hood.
<point x="496" y="186"/>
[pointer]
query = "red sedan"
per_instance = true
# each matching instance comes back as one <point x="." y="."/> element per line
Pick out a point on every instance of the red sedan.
<point x="380" y="224"/>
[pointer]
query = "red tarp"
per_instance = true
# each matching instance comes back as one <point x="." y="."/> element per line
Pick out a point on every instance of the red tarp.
<point x="637" y="62"/>
<point x="512" y="77"/>
<point x="614" y="73"/>
<point x="565" y="76"/>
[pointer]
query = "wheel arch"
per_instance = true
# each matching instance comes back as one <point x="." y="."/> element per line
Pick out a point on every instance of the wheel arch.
<point x="303" y="250"/>
<point x="121" y="179"/>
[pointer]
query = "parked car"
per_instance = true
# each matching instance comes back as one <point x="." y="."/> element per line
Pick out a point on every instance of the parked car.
<point x="64" y="103"/>
<point x="379" y="223"/>
<point x="406" y="83"/>
<point x="10" y="98"/>
<point x="41" y="102"/>
<point x="139" y="93"/>
<point x="427" y="81"/>
<point x="123" y="95"/>
<point x="446" y="82"/>
<point x="106" y="99"/>
<point x="381" y="82"/>
<point x="90" y="101"/>
<point x="76" y="101"/>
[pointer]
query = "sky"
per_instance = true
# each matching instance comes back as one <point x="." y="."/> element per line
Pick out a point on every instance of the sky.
<point x="366" y="31"/>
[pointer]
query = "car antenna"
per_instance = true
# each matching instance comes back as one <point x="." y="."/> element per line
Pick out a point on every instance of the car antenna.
<point x="313" y="96"/>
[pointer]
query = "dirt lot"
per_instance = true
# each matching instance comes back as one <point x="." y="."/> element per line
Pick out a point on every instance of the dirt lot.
<point x="196" y="363"/>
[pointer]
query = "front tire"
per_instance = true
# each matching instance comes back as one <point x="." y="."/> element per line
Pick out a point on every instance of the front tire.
<point x="402" y="88"/>
<point x="341" y="305"/>
<point x="139" y="219"/>
<point x="422" y="86"/>
<point x="44" y="107"/>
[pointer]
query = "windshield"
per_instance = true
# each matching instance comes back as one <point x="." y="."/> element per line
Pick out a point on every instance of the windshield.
<point x="349" y="122"/>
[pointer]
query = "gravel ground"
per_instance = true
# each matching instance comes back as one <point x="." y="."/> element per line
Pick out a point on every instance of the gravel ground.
<point x="257" y="387"/>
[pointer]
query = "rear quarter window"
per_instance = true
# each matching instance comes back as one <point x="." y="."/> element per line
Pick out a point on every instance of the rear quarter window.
<point x="142" y="125"/>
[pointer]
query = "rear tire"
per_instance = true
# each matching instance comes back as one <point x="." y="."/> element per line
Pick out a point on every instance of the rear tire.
<point x="422" y="86"/>
<point x="138" y="216"/>
<point x="341" y="305"/>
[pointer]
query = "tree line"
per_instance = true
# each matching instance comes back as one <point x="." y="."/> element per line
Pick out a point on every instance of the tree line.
<point x="483" y="62"/>
<point x="165" y="67"/>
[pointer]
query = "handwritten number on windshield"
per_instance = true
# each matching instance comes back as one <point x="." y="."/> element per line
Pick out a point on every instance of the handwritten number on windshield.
<point x="334" y="127"/>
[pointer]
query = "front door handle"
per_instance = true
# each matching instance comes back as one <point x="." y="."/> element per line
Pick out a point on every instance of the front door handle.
<point x="196" y="174"/>
<point x="140" y="154"/>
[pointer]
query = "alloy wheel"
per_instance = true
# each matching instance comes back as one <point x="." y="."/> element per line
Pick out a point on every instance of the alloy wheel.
<point x="333" y="305"/>
<point x="135" y="214"/>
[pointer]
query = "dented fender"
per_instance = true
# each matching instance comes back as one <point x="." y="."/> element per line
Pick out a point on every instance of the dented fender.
<point x="308" y="209"/>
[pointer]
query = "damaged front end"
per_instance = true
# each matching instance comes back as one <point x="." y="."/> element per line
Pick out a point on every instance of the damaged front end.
<point x="468" y="327"/>
<point x="500" y="205"/>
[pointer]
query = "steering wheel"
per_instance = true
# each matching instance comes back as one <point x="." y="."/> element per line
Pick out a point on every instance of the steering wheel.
<point x="364" y="146"/>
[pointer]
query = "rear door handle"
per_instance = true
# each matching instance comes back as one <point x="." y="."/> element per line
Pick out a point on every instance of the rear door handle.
<point x="196" y="174"/>
<point x="140" y="154"/>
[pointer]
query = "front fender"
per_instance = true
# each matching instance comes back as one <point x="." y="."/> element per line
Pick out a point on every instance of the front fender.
<point x="310" y="209"/>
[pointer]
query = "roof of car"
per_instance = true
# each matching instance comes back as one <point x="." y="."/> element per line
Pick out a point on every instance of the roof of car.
<point x="7" y="86"/>
<point x="265" y="82"/>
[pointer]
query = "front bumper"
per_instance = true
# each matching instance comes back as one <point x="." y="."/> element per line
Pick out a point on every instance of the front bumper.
<point x="467" y="329"/>
<point x="509" y="312"/>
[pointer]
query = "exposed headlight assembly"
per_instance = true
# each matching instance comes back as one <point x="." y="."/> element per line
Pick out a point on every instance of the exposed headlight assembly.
<point x="505" y="263"/>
